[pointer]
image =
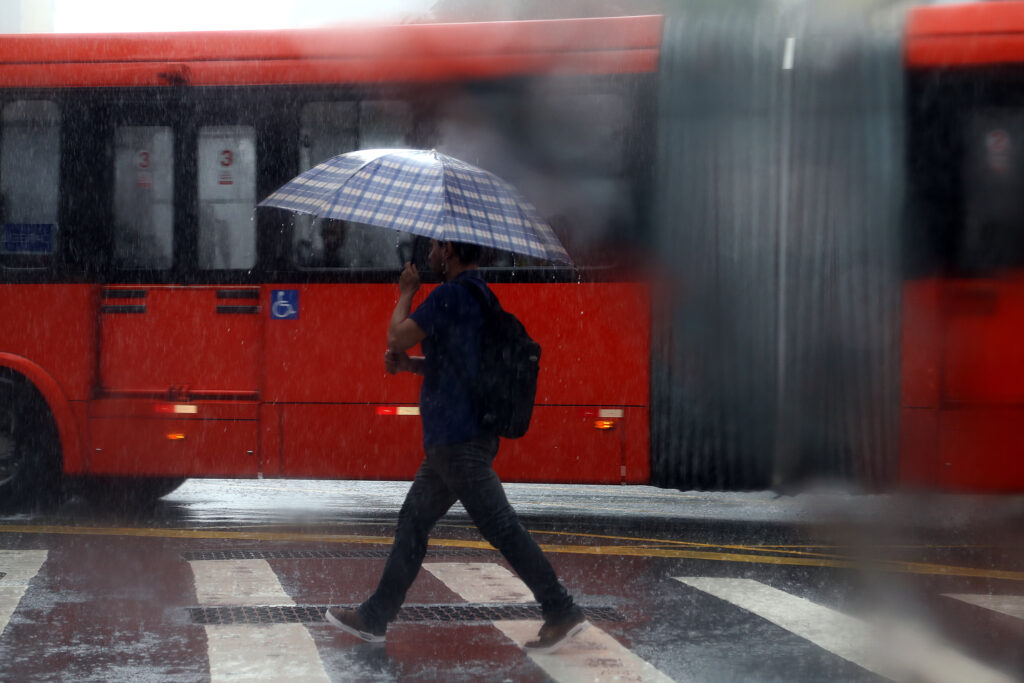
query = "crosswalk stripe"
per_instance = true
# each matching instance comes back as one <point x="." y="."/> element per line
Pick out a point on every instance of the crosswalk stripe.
<point x="262" y="652"/>
<point x="19" y="567"/>
<point x="898" y="651"/>
<point x="481" y="581"/>
<point x="238" y="582"/>
<point x="593" y="655"/>
<point x="272" y="652"/>
<point x="1011" y="605"/>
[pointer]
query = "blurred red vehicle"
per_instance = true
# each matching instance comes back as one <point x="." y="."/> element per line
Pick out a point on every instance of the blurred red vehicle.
<point x="963" y="304"/>
<point x="158" y="327"/>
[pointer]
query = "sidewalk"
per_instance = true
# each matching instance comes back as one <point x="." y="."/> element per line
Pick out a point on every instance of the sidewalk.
<point x="937" y="517"/>
<point x="645" y="507"/>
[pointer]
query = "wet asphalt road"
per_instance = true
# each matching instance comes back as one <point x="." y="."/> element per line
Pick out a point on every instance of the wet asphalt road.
<point x="681" y="586"/>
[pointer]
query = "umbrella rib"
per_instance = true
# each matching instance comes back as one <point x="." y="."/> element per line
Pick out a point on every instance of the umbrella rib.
<point x="332" y="199"/>
<point x="496" y="190"/>
<point x="419" y="181"/>
<point x="489" y="236"/>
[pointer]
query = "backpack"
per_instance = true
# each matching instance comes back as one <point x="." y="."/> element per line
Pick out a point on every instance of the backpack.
<point x="509" y="363"/>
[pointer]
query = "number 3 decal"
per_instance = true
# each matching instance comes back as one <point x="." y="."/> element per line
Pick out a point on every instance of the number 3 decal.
<point x="226" y="158"/>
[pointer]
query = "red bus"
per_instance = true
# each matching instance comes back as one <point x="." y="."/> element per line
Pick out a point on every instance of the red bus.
<point x="962" y="388"/>
<point x="158" y="327"/>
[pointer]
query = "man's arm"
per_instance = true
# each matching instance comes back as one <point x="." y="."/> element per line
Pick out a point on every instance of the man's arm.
<point x="403" y="332"/>
<point x="398" y="361"/>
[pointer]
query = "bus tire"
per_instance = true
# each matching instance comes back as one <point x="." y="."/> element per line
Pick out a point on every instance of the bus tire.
<point x="30" y="454"/>
<point x="127" y="493"/>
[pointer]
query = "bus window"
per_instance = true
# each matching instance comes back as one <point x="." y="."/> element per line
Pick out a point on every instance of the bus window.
<point x="384" y="124"/>
<point x="143" y="197"/>
<point x="333" y="244"/>
<point x="589" y="203"/>
<point x="227" y="197"/>
<point x="594" y="144"/>
<point x="572" y="168"/>
<point x="993" y="226"/>
<point x="29" y="183"/>
<point x="329" y="129"/>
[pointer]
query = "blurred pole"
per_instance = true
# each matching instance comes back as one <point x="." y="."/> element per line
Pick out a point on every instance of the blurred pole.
<point x="779" y="196"/>
<point x="783" y="446"/>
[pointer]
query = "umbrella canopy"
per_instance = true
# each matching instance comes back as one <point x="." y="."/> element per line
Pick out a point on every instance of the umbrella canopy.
<point x="422" y="192"/>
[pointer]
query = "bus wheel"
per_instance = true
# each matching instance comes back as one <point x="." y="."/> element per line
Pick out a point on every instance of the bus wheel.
<point x="127" y="492"/>
<point x="30" y="458"/>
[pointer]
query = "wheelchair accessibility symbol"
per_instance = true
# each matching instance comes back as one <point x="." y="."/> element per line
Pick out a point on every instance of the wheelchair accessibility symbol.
<point x="284" y="304"/>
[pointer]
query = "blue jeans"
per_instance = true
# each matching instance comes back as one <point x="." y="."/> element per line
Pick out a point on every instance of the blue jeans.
<point x="462" y="472"/>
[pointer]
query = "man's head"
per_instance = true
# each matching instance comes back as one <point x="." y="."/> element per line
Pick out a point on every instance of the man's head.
<point x="448" y="259"/>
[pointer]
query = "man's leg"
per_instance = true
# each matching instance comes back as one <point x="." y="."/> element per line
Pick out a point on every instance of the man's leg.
<point x="428" y="499"/>
<point x="467" y="471"/>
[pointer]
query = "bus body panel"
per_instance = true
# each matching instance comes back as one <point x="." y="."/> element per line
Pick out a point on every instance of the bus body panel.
<point x="165" y="437"/>
<point x="332" y="411"/>
<point x="363" y="442"/>
<point x="333" y="351"/>
<point x="592" y="335"/>
<point x="49" y="336"/>
<point x="348" y="442"/>
<point x="270" y="440"/>
<point x="328" y="72"/>
<point x="53" y="326"/>
<point x="983" y="360"/>
<point x="920" y="344"/>
<point x="576" y="445"/>
<point x="964" y="35"/>
<point x="405" y="53"/>
<point x="963" y="384"/>
<point x="157" y="446"/>
<point x="197" y="340"/>
<point x="963" y="316"/>
<point x="980" y="449"/>
<point x="341" y="415"/>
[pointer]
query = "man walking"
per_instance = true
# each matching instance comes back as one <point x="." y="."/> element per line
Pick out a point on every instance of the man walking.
<point x="459" y="453"/>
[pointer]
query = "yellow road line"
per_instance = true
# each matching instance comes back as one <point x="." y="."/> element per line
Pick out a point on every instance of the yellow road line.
<point x="605" y="550"/>
<point x="758" y="547"/>
<point x="784" y="550"/>
<point x="843" y="560"/>
<point x="876" y="565"/>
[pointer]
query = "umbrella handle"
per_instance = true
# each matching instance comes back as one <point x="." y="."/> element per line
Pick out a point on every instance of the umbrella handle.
<point x="406" y="251"/>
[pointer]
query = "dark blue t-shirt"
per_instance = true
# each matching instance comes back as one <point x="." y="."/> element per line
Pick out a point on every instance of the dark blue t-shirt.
<point x="453" y="321"/>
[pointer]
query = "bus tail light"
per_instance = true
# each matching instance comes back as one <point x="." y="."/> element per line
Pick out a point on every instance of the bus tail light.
<point x="176" y="408"/>
<point x="176" y="436"/>
<point x="604" y="424"/>
<point x="604" y="413"/>
<point x="398" y="410"/>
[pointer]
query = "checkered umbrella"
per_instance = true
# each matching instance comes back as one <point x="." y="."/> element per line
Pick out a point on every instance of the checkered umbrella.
<point x="422" y="192"/>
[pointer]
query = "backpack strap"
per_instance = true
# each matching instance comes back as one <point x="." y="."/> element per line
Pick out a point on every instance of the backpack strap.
<point x="488" y="309"/>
